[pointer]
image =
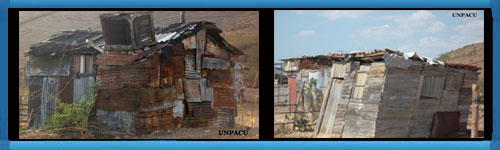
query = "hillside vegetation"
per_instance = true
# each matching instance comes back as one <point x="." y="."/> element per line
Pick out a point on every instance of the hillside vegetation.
<point x="470" y="54"/>
<point x="240" y="28"/>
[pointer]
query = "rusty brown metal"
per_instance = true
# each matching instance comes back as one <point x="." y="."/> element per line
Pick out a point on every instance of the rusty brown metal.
<point x="127" y="30"/>
<point x="219" y="79"/>
<point x="223" y="98"/>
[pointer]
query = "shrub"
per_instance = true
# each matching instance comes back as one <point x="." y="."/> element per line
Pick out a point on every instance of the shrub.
<point x="72" y="117"/>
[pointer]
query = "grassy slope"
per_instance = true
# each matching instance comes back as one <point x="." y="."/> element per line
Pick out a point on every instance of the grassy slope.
<point x="240" y="28"/>
<point x="470" y="54"/>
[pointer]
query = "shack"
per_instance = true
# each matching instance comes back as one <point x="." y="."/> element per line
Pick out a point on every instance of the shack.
<point x="179" y="75"/>
<point x="384" y="94"/>
<point x="60" y="68"/>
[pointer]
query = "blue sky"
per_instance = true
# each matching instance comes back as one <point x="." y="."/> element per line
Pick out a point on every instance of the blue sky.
<point x="427" y="32"/>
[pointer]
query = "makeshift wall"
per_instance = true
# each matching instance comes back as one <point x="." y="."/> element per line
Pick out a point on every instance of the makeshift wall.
<point x="413" y="96"/>
<point x="360" y="99"/>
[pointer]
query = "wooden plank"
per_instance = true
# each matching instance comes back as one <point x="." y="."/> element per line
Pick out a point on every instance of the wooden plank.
<point x="155" y="73"/>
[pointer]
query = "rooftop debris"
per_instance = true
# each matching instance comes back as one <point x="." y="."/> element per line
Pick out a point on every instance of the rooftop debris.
<point x="378" y="54"/>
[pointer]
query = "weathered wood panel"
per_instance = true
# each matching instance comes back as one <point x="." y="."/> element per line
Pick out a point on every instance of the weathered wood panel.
<point x="223" y="99"/>
<point x="220" y="79"/>
<point x="213" y="49"/>
<point x="328" y="111"/>
<point x="360" y="120"/>
<point x="155" y="72"/>
<point x="200" y="46"/>
<point x="192" y="90"/>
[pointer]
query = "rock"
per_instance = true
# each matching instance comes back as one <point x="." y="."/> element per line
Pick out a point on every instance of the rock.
<point x="207" y="131"/>
<point x="117" y="137"/>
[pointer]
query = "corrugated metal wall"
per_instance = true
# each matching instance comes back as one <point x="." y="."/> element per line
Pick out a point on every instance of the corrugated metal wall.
<point x="49" y="96"/>
<point x="82" y="88"/>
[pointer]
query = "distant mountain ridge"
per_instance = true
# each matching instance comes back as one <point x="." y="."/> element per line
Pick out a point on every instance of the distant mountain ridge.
<point x="472" y="54"/>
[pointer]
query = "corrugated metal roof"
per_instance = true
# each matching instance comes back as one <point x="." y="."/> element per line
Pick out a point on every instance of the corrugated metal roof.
<point x="176" y="32"/>
<point x="73" y="41"/>
<point x="116" y="58"/>
<point x="380" y="52"/>
<point x="51" y="66"/>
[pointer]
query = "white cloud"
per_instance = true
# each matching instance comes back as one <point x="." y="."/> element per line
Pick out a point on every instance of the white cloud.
<point x="338" y="14"/>
<point x="305" y="33"/>
<point x="436" y="27"/>
<point x="404" y="26"/>
<point x="465" y="34"/>
<point x="299" y="12"/>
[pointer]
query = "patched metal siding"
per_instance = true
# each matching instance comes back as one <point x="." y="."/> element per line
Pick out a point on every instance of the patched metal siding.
<point x="82" y="88"/>
<point x="35" y="96"/>
<point x="38" y="66"/>
<point x="49" y="96"/>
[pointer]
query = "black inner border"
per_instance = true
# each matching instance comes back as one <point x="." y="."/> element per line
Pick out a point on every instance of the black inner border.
<point x="266" y="40"/>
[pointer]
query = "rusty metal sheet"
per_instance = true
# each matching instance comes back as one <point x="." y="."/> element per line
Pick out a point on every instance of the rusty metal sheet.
<point x="116" y="59"/>
<point x="215" y="63"/>
<point x="82" y="88"/>
<point x="192" y="90"/>
<point x="223" y="98"/>
<point x="445" y="124"/>
<point x="49" y="96"/>
<point x="134" y="75"/>
<point x="220" y="79"/>
<point x="123" y="99"/>
<point x="174" y="66"/>
<point x="207" y="93"/>
<point x="34" y="99"/>
<point x="225" y="118"/>
<point x="66" y="88"/>
<point x="199" y="115"/>
<point x="179" y="89"/>
<point x="48" y="66"/>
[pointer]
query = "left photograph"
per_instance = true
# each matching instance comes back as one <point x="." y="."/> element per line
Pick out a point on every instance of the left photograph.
<point x="138" y="75"/>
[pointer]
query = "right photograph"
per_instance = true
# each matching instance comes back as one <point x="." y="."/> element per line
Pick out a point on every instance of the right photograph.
<point x="379" y="74"/>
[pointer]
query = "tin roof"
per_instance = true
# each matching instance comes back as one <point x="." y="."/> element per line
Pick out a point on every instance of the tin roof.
<point x="174" y="33"/>
<point x="72" y="41"/>
<point x="166" y="36"/>
<point x="378" y="54"/>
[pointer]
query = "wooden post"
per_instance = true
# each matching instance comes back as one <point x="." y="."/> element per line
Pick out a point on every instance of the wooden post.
<point x="475" y="100"/>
